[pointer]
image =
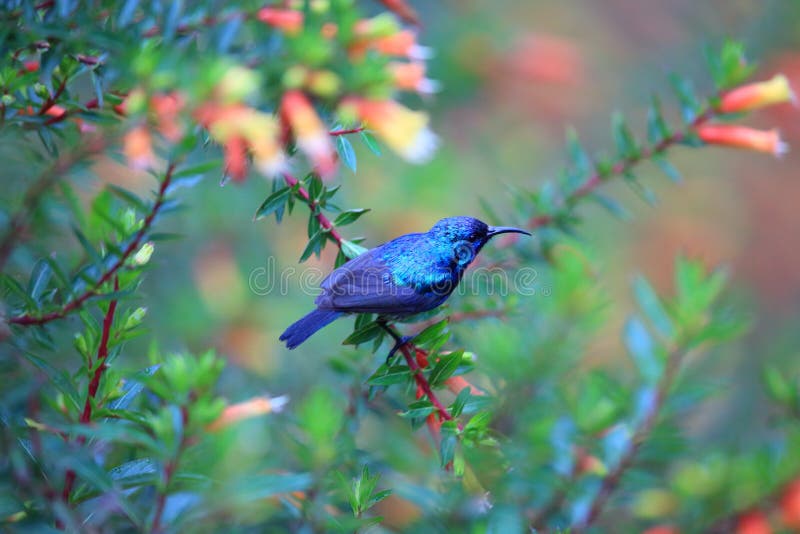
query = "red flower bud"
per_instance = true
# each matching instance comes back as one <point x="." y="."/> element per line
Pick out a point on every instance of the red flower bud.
<point x="768" y="141"/>
<point x="753" y="522"/>
<point x="790" y="505"/>
<point x="288" y="20"/>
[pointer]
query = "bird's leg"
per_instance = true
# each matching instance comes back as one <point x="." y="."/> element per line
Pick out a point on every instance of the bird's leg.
<point x="399" y="340"/>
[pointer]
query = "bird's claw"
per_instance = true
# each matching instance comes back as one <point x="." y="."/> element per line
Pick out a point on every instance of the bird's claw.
<point x="397" y="345"/>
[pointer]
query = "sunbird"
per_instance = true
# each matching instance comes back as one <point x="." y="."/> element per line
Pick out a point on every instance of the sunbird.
<point x="410" y="274"/>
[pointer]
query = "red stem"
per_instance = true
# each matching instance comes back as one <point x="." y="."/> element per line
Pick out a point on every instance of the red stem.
<point x="94" y="384"/>
<point x="323" y="220"/>
<point x="422" y="382"/>
<point x="133" y="246"/>
<point x="346" y="132"/>
<point x="594" y="181"/>
<point x="51" y="100"/>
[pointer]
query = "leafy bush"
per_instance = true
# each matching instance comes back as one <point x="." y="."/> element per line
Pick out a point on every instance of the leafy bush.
<point x="98" y="436"/>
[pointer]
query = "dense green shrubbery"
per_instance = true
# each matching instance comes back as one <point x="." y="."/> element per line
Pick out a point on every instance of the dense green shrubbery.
<point x="521" y="437"/>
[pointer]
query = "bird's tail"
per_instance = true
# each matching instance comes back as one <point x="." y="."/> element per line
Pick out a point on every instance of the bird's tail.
<point x="305" y="327"/>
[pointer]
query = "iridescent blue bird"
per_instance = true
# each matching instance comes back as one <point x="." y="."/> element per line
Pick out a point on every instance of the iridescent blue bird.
<point x="408" y="275"/>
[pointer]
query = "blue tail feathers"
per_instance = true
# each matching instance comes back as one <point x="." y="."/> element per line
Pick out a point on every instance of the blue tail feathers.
<point x="307" y="326"/>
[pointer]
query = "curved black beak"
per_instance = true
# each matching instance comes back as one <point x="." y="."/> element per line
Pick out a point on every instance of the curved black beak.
<point x="495" y="230"/>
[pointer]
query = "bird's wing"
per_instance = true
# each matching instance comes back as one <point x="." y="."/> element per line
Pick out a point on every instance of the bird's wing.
<point x="366" y="285"/>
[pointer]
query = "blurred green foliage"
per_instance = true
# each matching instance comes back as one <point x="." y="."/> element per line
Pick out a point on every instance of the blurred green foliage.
<point x="141" y="378"/>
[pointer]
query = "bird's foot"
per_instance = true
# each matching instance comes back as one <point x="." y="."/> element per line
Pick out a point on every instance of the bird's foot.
<point x="398" y="343"/>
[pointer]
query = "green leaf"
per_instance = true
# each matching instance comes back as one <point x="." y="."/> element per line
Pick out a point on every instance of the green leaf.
<point x="461" y="401"/>
<point x="59" y="378"/>
<point x="682" y="87"/>
<point x="273" y="202"/>
<point x="419" y="410"/>
<point x="577" y="154"/>
<point x="651" y="305"/>
<point x="445" y="367"/>
<point x="352" y="250"/>
<point x="642" y="350"/>
<point x="314" y="245"/>
<point x="363" y="334"/>
<point x="668" y="169"/>
<point x="40" y="279"/>
<point x="349" y="216"/>
<point x="778" y="384"/>
<point x="449" y="440"/>
<point x="657" y="129"/>
<point x="615" y="208"/>
<point x="431" y="333"/>
<point x="729" y="67"/>
<point x="397" y="374"/>
<point x="90" y="250"/>
<point x="623" y="138"/>
<point x="129" y="198"/>
<point x="346" y="152"/>
<point x="642" y="191"/>
<point x="371" y="142"/>
<point x="137" y="472"/>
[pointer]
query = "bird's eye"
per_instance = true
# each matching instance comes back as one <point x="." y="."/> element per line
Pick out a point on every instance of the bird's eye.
<point x="473" y="236"/>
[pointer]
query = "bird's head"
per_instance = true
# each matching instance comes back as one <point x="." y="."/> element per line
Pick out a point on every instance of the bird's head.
<point x="465" y="236"/>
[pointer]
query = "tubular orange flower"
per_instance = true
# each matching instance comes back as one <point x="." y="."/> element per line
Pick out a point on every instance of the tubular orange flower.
<point x="236" y="158"/>
<point x="757" y="95"/>
<point x="457" y="383"/>
<point x="790" y="505"/>
<point x="167" y="108"/>
<point x="402" y="43"/>
<point x="137" y="146"/>
<point x="404" y="131"/>
<point x="768" y="141"/>
<point x="309" y="132"/>
<point x="288" y="20"/>
<point x="411" y="77"/>
<point x="262" y="131"/>
<point x="246" y="410"/>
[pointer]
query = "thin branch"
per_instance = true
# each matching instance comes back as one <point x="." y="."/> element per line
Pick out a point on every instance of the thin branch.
<point x="133" y="246"/>
<point x="94" y="383"/>
<point x="623" y="166"/>
<point x="53" y="98"/>
<point x="413" y="355"/>
<point x="169" y="472"/>
<point x="326" y="223"/>
<point x="611" y="481"/>
<point x="336" y="133"/>
<point x="33" y="195"/>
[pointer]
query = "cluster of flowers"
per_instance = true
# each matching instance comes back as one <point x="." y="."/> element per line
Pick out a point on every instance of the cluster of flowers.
<point x="263" y="137"/>
<point x="747" y="98"/>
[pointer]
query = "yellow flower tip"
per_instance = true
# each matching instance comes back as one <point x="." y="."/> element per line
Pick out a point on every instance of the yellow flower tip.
<point x="403" y="130"/>
<point x="758" y="95"/>
<point x="247" y="410"/>
<point x="237" y="84"/>
<point x="309" y="132"/>
<point x="768" y="141"/>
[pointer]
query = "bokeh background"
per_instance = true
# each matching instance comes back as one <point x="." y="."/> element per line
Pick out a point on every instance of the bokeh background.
<point x="515" y="76"/>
